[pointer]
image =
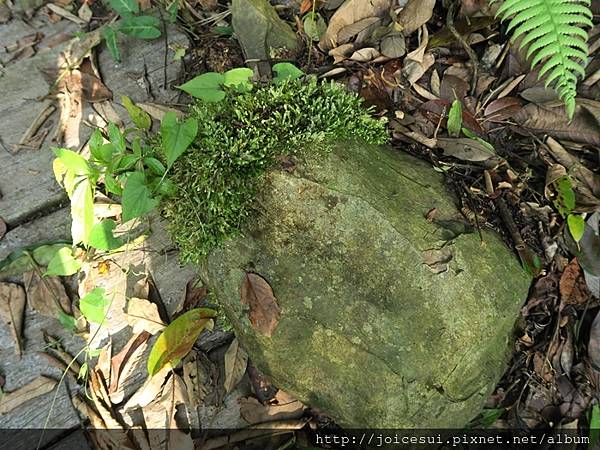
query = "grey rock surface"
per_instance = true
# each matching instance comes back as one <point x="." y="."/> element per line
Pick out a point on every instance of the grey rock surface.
<point x="388" y="319"/>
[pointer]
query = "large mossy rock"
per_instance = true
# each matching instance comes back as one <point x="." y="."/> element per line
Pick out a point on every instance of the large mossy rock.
<point x="389" y="316"/>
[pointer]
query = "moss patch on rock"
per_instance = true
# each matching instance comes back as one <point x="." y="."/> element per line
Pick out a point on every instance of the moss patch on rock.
<point x="240" y="139"/>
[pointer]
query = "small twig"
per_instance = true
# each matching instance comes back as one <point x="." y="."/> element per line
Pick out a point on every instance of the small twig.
<point x="463" y="42"/>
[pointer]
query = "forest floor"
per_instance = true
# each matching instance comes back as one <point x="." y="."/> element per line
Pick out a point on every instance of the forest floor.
<point x="516" y="164"/>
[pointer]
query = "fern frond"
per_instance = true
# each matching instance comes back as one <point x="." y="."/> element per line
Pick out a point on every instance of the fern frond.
<point x="553" y="32"/>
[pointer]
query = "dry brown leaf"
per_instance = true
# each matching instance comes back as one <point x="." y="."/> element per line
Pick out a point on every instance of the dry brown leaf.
<point x="149" y="390"/>
<point x="99" y="396"/>
<point x="197" y="370"/>
<point x="46" y="295"/>
<point x="40" y="386"/>
<point x="502" y="109"/>
<point x="553" y="120"/>
<point x="12" y="310"/>
<point x="85" y="13"/>
<point x="415" y="14"/>
<point x="418" y="54"/>
<point x="159" y="416"/>
<point x="143" y="315"/>
<point x="349" y="31"/>
<point x="103" y="363"/>
<point x="575" y="168"/>
<point x="465" y="149"/>
<point x="119" y="362"/>
<point x="66" y="14"/>
<point x="352" y="11"/>
<point x="236" y="361"/>
<point x="364" y="54"/>
<point x="341" y="52"/>
<point x="284" y="408"/>
<point x="157" y="111"/>
<point x="453" y="88"/>
<point x="437" y="260"/>
<point x="594" y="342"/>
<point x="573" y="288"/>
<point x="93" y="89"/>
<point x="264" y="310"/>
<point x="193" y="298"/>
<point x="86" y="410"/>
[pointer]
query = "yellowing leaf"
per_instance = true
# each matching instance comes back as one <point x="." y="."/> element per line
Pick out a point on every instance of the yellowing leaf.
<point x="82" y="212"/>
<point x="178" y="338"/>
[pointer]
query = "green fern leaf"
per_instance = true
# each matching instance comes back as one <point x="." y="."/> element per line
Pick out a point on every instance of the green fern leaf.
<point x="553" y="32"/>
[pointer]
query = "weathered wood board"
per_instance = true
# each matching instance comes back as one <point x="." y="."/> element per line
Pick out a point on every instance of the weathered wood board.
<point x="29" y="191"/>
<point x="27" y="184"/>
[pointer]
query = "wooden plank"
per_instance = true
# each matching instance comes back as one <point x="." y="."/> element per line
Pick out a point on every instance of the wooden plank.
<point x="27" y="184"/>
<point x="28" y="188"/>
<point x="53" y="227"/>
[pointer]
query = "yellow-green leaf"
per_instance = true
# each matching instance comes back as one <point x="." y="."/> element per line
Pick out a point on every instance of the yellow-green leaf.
<point x="455" y="119"/>
<point x="576" y="226"/>
<point x="63" y="263"/>
<point x="82" y="211"/>
<point x="178" y="338"/>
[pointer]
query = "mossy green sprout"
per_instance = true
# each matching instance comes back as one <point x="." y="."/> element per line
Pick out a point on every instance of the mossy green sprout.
<point x="243" y="136"/>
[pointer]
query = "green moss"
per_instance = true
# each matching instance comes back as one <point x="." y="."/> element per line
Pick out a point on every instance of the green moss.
<point x="242" y="137"/>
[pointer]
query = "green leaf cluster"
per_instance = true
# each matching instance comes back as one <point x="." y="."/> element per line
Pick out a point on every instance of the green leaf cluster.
<point x="242" y="136"/>
<point x="552" y="31"/>
<point x="132" y="24"/>
<point x="125" y="164"/>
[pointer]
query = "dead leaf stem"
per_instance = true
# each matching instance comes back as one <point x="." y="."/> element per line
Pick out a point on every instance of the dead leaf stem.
<point x="464" y="43"/>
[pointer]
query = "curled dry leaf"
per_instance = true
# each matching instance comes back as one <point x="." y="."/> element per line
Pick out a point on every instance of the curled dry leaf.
<point x="143" y="315"/>
<point x="264" y="310"/>
<point x="351" y="12"/>
<point x="40" y="386"/>
<point x="46" y="295"/>
<point x="415" y="14"/>
<point x="193" y="298"/>
<point x="236" y="361"/>
<point x="12" y="309"/>
<point x="159" y="417"/>
<point x="364" y="54"/>
<point x="123" y="361"/>
<point x="437" y="260"/>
